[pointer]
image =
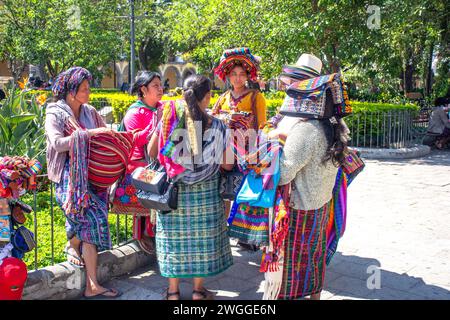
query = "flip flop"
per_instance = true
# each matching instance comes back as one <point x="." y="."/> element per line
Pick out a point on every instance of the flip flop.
<point x="81" y="265"/>
<point x="102" y="296"/>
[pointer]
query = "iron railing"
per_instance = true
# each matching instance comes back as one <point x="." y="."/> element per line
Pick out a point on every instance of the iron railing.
<point x="121" y="223"/>
<point x="386" y="129"/>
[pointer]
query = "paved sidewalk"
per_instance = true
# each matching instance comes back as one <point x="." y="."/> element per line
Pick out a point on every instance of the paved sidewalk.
<point x="398" y="221"/>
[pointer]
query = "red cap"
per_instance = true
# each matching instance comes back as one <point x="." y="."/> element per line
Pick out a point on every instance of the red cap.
<point x="13" y="275"/>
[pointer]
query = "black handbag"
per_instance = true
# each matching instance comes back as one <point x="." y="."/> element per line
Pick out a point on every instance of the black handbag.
<point x="155" y="189"/>
<point x="152" y="178"/>
<point x="230" y="183"/>
<point x="165" y="202"/>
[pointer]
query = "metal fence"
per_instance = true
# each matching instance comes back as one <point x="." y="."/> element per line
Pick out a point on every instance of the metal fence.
<point x="387" y="129"/>
<point x="121" y="224"/>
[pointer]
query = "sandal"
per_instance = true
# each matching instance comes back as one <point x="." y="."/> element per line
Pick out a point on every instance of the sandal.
<point x="100" y="296"/>
<point x="76" y="257"/>
<point x="205" y="293"/>
<point x="171" y="294"/>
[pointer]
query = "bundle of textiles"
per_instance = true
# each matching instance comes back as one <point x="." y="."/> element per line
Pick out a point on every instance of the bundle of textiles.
<point x="17" y="176"/>
<point x="108" y="154"/>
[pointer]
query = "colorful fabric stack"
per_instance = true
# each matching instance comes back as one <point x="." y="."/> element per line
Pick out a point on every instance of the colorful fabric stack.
<point x="17" y="176"/>
<point x="307" y="98"/>
<point x="238" y="56"/>
<point x="109" y="157"/>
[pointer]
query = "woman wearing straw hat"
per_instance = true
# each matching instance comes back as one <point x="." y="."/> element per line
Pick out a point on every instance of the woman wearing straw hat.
<point x="315" y="144"/>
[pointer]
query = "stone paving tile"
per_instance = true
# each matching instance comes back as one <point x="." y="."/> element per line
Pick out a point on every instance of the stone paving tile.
<point x="398" y="218"/>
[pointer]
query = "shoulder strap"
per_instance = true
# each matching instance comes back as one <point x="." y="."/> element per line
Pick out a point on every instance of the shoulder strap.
<point x="255" y="123"/>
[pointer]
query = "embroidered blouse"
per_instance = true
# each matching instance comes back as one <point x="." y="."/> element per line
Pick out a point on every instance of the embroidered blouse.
<point x="244" y="103"/>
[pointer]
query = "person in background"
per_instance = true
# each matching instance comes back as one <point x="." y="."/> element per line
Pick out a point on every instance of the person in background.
<point x="439" y="124"/>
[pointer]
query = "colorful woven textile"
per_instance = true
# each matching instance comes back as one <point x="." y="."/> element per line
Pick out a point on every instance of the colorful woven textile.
<point x="92" y="225"/>
<point x="172" y="119"/>
<point x="237" y="56"/>
<point x="305" y="253"/>
<point x="307" y="98"/>
<point x="125" y="199"/>
<point x="249" y="224"/>
<point x="109" y="157"/>
<point x="69" y="81"/>
<point x="192" y="241"/>
<point x="279" y="224"/>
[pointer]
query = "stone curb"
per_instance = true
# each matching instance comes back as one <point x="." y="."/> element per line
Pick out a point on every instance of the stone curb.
<point x="63" y="281"/>
<point x="416" y="151"/>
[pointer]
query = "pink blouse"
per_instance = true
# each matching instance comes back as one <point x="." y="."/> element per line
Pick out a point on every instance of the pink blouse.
<point x="145" y="121"/>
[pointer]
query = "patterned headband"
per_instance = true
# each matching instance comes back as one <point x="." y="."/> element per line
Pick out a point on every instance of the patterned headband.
<point x="70" y="80"/>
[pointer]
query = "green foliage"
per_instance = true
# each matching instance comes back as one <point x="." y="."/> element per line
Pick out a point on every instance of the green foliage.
<point x="59" y="33"/>
<point x="22" y="126"/>
<point x="44" y="227"/>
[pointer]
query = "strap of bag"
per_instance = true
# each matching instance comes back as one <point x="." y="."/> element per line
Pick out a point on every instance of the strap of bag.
<point x="255" y="122"/>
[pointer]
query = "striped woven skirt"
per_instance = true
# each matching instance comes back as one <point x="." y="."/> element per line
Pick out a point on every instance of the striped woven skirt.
<point x="305" y="253"/>
<point x="250" y="224"/>
<point x="192" y="241"/>
<point x="90" y="226"/>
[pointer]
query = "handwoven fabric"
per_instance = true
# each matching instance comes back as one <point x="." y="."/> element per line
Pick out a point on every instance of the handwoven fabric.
<point x="237" y="56"/>
<point x="305" y="253"/>
<point x="125" y="199"/>
<point x="91" y="224"/>
<point x="192" y="241"/>
<point x="109" y="156"/>
<point x="250" y="224"/>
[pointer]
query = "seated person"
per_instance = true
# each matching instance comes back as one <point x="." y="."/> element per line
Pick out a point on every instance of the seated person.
<point x="439" y="122"/>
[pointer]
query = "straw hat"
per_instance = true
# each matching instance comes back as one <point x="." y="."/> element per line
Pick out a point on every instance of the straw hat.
<point x="307" y="66"/>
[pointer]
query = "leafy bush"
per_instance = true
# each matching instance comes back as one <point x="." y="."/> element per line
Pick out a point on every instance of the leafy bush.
<point x="21" y="125"/>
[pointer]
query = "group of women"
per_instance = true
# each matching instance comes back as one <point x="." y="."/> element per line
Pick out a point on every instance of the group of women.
<point x="193" y="240"/>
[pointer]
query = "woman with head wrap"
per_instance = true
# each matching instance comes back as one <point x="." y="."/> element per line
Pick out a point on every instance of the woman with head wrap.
<point x="192" y="241"/>
<point x="239" y="67"/>
<point x="87" y="227"/>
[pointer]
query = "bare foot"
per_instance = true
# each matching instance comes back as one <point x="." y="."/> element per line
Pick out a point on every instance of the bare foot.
<point x="74" y="255"/>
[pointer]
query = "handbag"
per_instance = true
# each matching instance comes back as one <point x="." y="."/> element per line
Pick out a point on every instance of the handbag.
<point x="156" y="190"/>
<point x="151" y="178"/>
<point x="230" y="183"/>
<point x="164" y="202"/>
<point x="255" y="190"/>
<point x="23" y="240"/>
<point x="123" y="199"/>
<point x="353" y="164"/>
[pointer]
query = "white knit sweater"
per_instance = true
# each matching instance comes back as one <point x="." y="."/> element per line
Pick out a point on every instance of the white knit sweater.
<point x="301" y="161"/>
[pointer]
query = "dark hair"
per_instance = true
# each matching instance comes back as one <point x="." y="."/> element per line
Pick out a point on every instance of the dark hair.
<point x="142" y="80"/>
<point x="440" y="101"/>
<point x="333" y="132"/>
<point x="194" y="90"/>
